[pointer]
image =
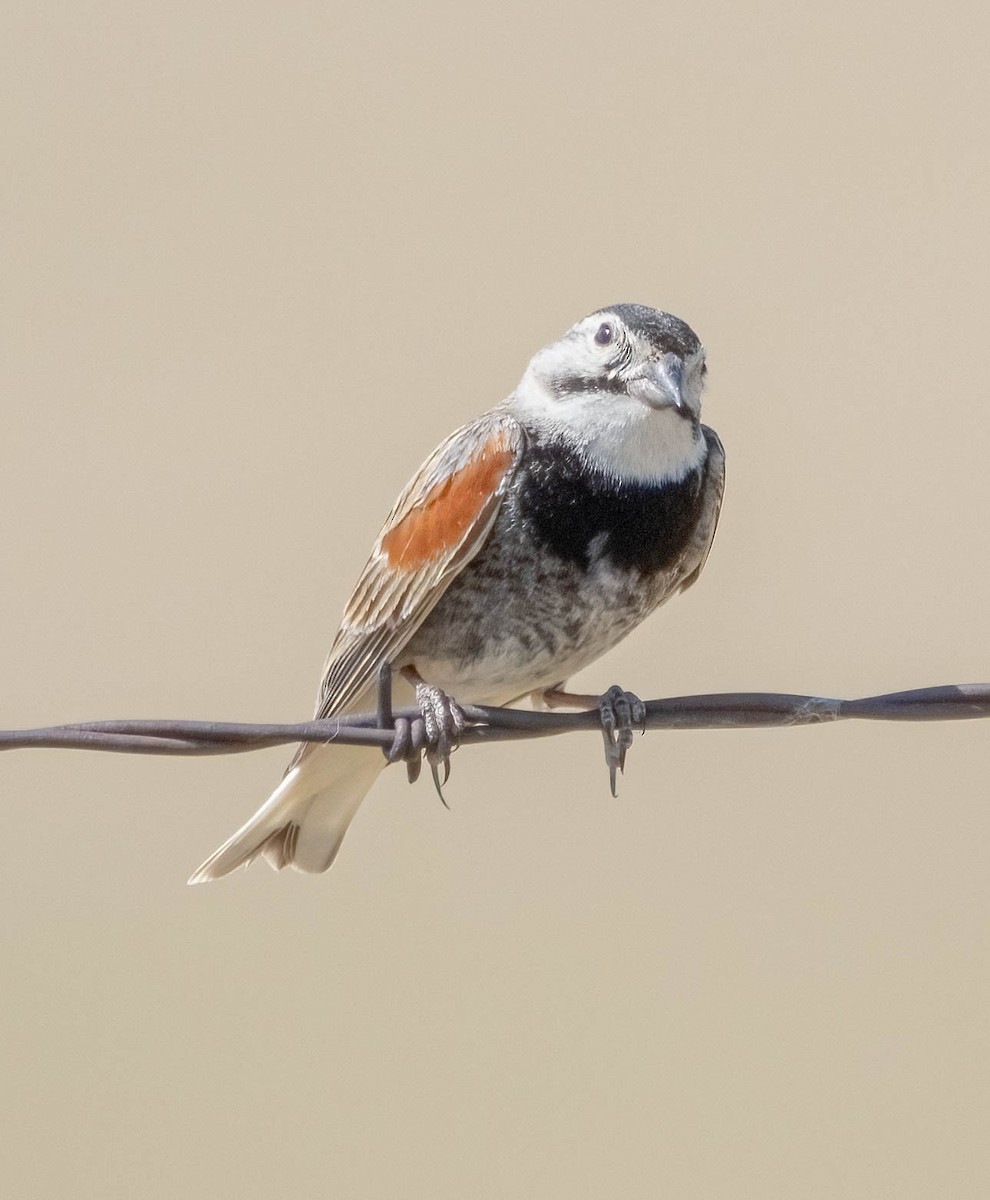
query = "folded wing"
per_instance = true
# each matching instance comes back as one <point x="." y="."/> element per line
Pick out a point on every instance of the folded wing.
<point x="437" y="526"/>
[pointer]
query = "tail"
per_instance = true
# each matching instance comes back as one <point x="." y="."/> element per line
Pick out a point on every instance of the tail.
<point x="303" y="822"/>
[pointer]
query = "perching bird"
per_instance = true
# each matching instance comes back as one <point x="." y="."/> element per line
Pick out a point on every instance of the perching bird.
<point x="529" y="543"/>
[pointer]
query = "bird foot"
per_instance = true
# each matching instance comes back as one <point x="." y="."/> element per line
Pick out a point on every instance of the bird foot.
<point x="435" y="730"/>
<point x="620" y="713"/>
<point x="444" y="721"/>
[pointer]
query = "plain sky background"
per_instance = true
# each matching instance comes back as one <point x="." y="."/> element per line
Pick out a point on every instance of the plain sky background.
<point x="258" y="260"/>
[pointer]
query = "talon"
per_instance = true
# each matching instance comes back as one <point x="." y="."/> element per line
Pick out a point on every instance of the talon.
<point x="620" y="711"/>
<point x="437" y="783"/>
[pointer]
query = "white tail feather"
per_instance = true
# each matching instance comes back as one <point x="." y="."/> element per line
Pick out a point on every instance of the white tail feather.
<point x="304" y="820"/>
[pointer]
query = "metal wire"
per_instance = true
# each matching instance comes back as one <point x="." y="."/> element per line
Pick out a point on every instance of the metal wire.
<point x="732" y="710"/>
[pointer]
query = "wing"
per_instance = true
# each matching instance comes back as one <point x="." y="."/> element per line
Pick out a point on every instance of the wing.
<point x="436" y="527"/>
<point x="712" y="487"/>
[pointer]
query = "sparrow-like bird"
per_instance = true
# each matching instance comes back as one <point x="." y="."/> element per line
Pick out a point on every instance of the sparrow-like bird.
<point x="529" y="543"/>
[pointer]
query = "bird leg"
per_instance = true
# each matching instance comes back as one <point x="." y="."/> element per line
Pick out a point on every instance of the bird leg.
<point x="556" y="697"/>
<point x="620" y="713"/>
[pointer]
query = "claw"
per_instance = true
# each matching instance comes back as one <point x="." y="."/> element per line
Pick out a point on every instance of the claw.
<point x="620" y="711"/>
<point x="438" y="782"/>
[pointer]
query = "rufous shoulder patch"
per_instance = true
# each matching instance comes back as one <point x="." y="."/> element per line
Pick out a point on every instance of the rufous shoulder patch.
<point x="437" y="525"/>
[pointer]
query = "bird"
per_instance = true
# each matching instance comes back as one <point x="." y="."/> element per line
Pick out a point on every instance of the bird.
<point x="529" y="543"/>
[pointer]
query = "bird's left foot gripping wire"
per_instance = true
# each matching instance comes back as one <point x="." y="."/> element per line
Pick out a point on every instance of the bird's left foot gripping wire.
<point x="435" y="730"/>
<point x="620" y="712"/>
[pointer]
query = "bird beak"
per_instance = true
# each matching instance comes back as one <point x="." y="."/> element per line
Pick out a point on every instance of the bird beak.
<point x="660" y="383"/>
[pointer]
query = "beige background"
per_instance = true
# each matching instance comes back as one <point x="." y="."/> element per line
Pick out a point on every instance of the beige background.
<point x="259" y="260"/>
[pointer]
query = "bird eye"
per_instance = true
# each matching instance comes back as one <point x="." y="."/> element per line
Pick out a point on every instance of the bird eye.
<point x="605" y="334"/>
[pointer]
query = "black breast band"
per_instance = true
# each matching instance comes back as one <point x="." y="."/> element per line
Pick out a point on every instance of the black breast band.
<point x="566" y="506"/>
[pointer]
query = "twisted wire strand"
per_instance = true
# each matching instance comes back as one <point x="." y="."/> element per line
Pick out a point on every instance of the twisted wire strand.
<point x="731" y="710"/>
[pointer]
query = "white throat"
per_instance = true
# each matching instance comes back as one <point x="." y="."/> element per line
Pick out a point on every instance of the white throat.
<point x="616" y="434"/>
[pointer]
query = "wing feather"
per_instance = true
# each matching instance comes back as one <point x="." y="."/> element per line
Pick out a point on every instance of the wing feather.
<point x="712" y="488"/>
<point x="437" y="525"/>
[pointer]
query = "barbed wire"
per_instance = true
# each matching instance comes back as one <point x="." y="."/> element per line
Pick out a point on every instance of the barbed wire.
<point x="731" y="710"/>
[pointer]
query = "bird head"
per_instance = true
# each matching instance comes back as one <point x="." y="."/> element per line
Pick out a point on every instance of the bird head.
<point x="624" y="383"/>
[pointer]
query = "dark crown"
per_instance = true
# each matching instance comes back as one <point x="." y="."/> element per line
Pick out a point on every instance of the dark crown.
<point x="667" y="333"/>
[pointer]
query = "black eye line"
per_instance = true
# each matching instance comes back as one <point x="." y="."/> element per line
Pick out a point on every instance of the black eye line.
<point x="569" y="384"/>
